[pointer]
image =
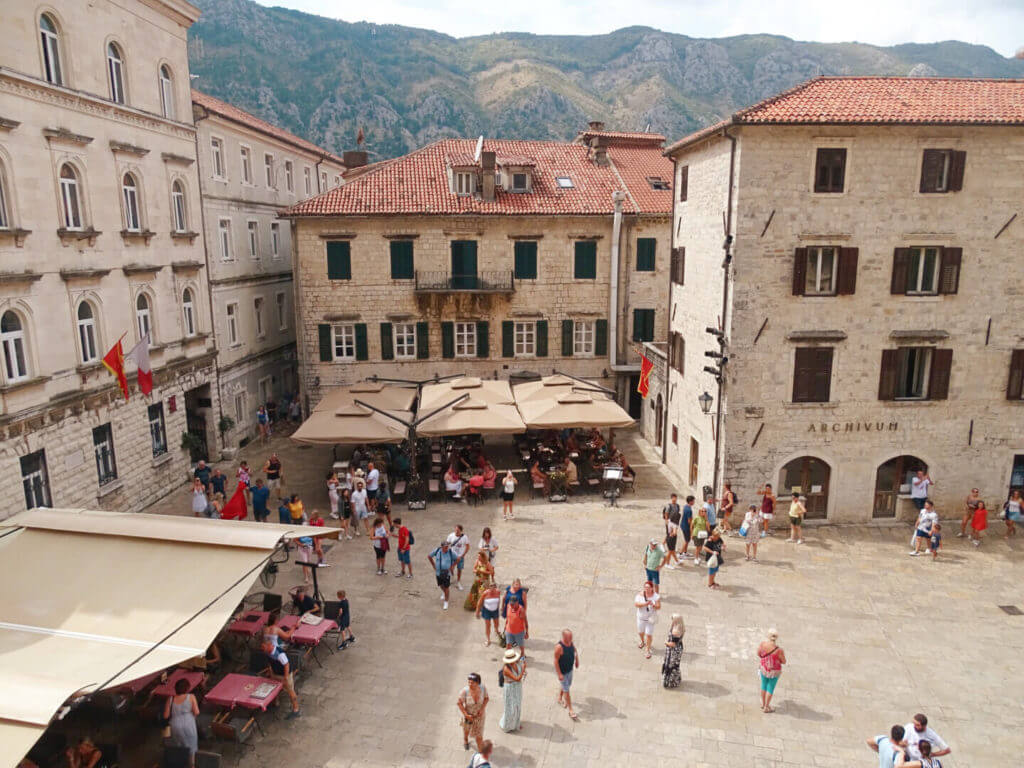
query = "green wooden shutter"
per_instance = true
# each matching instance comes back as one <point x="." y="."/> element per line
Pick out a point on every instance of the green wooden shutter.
<point x="542" y="338"/>
<point x="362" y="352"/>
<point x="326" y="346"/>
<point x="585" y="261"/>
<point x="508" y="338"/>
<point x="567" y="329"/>
<point x="601" y="337"/>
<point x="526" y="260"/>
<point x="339" y="260"/>
<point x="645" y="251"/>
<point x="447" y="340"/>
<point x="387" y="342"/>
<point x="422" y="341"/>
<point x="483" y="339"/>
<point x="401" y="260"/>
<point x="637" y="320"/>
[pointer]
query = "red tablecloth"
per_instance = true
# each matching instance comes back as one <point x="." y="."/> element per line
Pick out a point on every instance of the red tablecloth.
<point x="306" y="634"/>
<point x="250" y="623"/>
<point x="235" y="691"/>
<point x="167" y="688"/>
<point x="139" y="684"/>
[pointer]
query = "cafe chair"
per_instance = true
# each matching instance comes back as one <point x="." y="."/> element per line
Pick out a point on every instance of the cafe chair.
<point x="629" y="481"/>
<point x="594" y="482"/>
<point x="206" y="759"/>
<point x="472" y="494"/>
<point x="237" y="730"/>
<point x="399" y="488"/>
<point x="536" y="487"/>
<point x="175" y="757"/>
<point x="272" y="602"/>
<point x="332" y="609"/>
<point x="259" y="663"/>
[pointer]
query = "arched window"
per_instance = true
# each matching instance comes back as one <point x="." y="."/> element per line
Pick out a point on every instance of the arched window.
<point x="70" y="198"/>
<point x="166" y="91"/>
<point x="12" y="337"/>
<point x="808" y="476"/>
<point x="143" y="317"/>
<point x="87" y="332"/>
<point x="51" y="51"/>
<point x="5" y="214"/>
<point x="188" y="312"/>
<point x="130" y="190"/>
<point x="178" y="207"/>
<point x="115" y="72"/>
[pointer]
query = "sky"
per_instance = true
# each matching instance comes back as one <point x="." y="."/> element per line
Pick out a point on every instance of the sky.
<point x="996" y="23"/>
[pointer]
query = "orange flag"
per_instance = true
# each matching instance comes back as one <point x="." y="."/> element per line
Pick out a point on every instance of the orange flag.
<point x="114" y="362"/>
<point x="643" y="386"/>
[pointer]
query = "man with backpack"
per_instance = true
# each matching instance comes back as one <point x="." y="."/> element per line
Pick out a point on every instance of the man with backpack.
<point x="672" y="516"/>
<point x="482" y="758"/>
<point x="405" y="542"/>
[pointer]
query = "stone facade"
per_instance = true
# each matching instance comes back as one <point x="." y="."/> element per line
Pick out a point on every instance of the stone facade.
<point x="117" y="150"/>
<point x="845" y="452"/>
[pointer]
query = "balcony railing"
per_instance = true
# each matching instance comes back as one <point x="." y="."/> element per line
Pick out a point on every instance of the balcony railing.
<point x="496" y="281"/>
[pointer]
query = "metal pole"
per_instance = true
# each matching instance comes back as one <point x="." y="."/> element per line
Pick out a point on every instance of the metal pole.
<point x="588" y="383"/>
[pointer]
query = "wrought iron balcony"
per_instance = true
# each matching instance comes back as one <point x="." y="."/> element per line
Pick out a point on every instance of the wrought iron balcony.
<point x="496" y="281"/>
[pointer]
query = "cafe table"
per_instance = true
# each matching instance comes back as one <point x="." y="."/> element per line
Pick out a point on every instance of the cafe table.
<point x="236" y="690"/>
<point x="167" y="688"/>
<point x="250" y="623"/>
<point x="308" y="635"/>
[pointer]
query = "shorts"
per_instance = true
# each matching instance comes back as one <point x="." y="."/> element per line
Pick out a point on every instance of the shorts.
<point x="652" y="576"/>
<point x="670" y="542"/>
<point x="919" y="503"/>
<point x="768" y="683"/>
<point x="506" y="496"/>
<point x="933" y="545"/>
<point x="403" y="557"/>
<point x="363" y="513"/>
<point x="713" y="571"/>
<point x="645" y="626"/>
<point x="515" y="638"/>
<point x="686" y="534"/>
<point x="566" y="681"/>
<point x="346" y="511"/>
<point x="273" y="483"/>
<point x="444" y="580"/>
<point x="381" y="553"/>
<point x="262" y="515"/>
<point x="461" y="562"/>
<point x="371" y="495"/>
<point x="795" y="521"/>
<point x="922" y="534"/>
<point x="486" y="614"/>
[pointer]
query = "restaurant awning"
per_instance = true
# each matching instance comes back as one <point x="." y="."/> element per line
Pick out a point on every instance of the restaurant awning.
<point x="95" y="599"/>
<point x="550" y="388"/>
<point x="574" y="409"/>
<point x="472" y="416"/>
<point x="353" y="424"/>
<point x="485" y="390"/>
<point x="378" y="395"/>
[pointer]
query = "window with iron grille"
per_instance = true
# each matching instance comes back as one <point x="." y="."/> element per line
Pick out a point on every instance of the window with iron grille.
<point x="157" y="431"/>
<point x="103" y="449"/>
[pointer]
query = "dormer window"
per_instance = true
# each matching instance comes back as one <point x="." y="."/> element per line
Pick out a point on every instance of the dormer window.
<point x="657" y="182"/>
<point x="563" y="182"/>
<point x="518" y="182"/>
<point x="463" y="183"/>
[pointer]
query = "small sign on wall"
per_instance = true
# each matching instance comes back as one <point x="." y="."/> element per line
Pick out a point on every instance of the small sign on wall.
<point x="172" y="403"/>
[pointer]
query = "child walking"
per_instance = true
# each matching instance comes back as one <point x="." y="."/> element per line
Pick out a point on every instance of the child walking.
<point x="979" y="522"/>
<point x="344" y="621"/>
<point x="935" y="543"/>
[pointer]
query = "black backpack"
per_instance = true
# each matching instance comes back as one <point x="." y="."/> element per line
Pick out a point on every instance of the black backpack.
<point x="412" y="539"/>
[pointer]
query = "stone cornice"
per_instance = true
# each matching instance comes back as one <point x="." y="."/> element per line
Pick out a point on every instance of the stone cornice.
<point x="254" y="279"/>
<point x="170" y="157"/>
<point x="63" y="134"/>
<point x="128" y="149"/>
<point x="7" y="124"/>
<point x="15" y="278"/>
<point x="187" y="266"/>
<point x="140" y="269"/>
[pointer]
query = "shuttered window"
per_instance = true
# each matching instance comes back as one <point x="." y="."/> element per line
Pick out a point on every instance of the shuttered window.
<point x="508" y="344"/>
<point x="401" y="260"/>
<point x="678" y="267"/>
<point x="339" y="260"/>
<point x="824" y="270"/>
<point x="422" y="340"/>
<point x="525" y="259"/>
<point x="600" y="338"/>
<point x="1015" y="387"/>
<point x="942" y="170"/>
<point x="585" y="260"/>
<point x="684" y="182"/>
<point x="812" y="375"/>
<point x="677" y="353"/>
<point x="645" y="251"/>
<point x="643" y="325"/>
<point x="829" y="169"/>
<point x="926" y="270"/>
<point x="447" y="340"/>
<point x="483" y="339"/>
<point x="915" y="373"/>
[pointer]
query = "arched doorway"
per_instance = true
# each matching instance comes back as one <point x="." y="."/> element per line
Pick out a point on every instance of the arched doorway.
<point x="892" y="481"/>
<point x="659" y="426"/>
<point x="808" y="476"/>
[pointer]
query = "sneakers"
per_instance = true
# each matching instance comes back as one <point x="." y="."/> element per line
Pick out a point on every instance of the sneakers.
<point x="335" y="516"/>
<point x="790" y="540"/>
<point x="408" y="575"/>
<point x="799" y="541"/>
<point x="913" y="553"/>
<point x="458" y="586"/>
<point x="293" y="714"/>
<point x="399" y="575"/>
<point x="977" y="543"/>
<point x="352" y="640"/>
<point x="350" y="537"/>
<point x="444" y="605"/>
<point x="670" y="567"/>
<point x="960" y="535"/>
<point x="343" y="645"/>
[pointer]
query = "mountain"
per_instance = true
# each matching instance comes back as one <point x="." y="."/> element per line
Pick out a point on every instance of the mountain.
<point x="323" y="78"/>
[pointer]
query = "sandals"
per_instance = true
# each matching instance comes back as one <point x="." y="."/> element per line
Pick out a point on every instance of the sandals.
<point x="647" y="655"/>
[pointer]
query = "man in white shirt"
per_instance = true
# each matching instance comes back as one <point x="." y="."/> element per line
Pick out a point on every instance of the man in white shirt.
<point x="648" y="603"/>
<point x="459" y="543"/>
<point x="919" y="488"/>
<point x="926" y="521"/>
<point x="918" y="730"/>
<point x="372" y="484"/>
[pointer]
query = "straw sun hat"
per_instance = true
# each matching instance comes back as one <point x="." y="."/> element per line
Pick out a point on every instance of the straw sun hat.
<point x="513" y="654"/>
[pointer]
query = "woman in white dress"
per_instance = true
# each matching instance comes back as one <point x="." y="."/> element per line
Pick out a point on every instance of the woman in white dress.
<point x="753" y="522"/>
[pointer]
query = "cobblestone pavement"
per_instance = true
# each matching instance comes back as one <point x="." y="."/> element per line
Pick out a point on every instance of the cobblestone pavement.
<point x="872" y="637"/>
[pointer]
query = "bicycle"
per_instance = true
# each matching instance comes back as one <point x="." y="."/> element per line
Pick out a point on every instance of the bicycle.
<point x="269" y="573"/>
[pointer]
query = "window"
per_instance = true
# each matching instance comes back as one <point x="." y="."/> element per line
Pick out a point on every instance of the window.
<point x="178" y="207"/>
<point x="911" y="376"/>
<point x="339" y="260"/>
<point x="143" y="318"/>
<point x="465" y="339"/>
<point x="87" y="333"/>
<point x="518" y="182"/>
<point x="217" y="153"/>
<point x="563" y="182"/>
<point x="942" y="170"/>
<point x="257" y="309"/>
<point x="829" y="170"/>
<point x="323" y="181"/>
<point x="268" y="167"/>
<point x="923" y="272"/>
<point x="188" y="312"/>
<point x="69" y="196"/>
<point x="224" y="234"/>
<point x="643" y="325"/>
<point x="157" y="433"/>
<point x="240" y="408"/>
<point x="684" y="183"/>
<point x="585" y="260"/>
<point x="694" y="461"/>
<point x="288" y="181"/>
<point x="658" y="183"/>
<point x="166" y="92"/>
<point x="130" y="192"/>
<point x="307" y="174"/>
<point x="677" y="353"/>
<point x="246" y="154"/>
<point x="282" y="317"/>
<point x="337" y="181"/>
<point x="645" y="251"/>
<point x="5" y="217"/>
<point x="525" y="338"/>
<point x="525" y="259"/>
<point x="583" y="337"/>
<point x="51" y="51"/>
<point x="115" y="73"/>
<point x="824" y="271"/>
<point x="926" y="270"/>
<point x="405" y="340"/>
<point x="678" y="265"/>
<point x="463" y="183"/>
<point x="103" y="449"/>
<point x="275" y="239"/>
<point x="253" y="229"/>
<point x="812" y="375"/>
<point x="915" y="373"/>
<point x="820" y="279"/>
<point x="344" y="341"/>
<point x="12" y="337"/>
<point x="401" y="260"/>
<point x="34" y="480"/>
<point x="232" y="316"/>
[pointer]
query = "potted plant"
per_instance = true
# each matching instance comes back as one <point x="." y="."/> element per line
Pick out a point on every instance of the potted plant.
<point x="559" y="486"/>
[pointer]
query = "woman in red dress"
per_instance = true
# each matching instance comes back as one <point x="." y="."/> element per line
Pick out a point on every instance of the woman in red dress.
<point x="979" y="523"/>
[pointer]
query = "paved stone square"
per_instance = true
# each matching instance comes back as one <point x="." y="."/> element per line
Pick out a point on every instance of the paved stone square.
<point x="872" y="637"/>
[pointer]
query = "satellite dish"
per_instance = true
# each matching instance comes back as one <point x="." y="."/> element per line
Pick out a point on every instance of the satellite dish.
<point x="479" y="149"/>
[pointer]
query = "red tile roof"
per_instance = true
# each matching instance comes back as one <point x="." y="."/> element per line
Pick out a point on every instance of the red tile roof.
<point x="612" y="138"/>
<point x="240" y="116"/>
<point x="883" y="101"/>
<point x="417" y="183"/>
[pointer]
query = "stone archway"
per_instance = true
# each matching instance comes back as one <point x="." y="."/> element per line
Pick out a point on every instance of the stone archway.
<point x="892" y="480"/>
<point x="809" y="476"/>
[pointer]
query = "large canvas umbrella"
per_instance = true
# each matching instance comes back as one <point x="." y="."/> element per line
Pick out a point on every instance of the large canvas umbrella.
<point x="549" y="388"/>
<point x="381" y="396"/>
<point x="574" y="409"/>
<point x="471" y="417"/>
<point x="485" y="390"/>
<point x="352" y="425"/>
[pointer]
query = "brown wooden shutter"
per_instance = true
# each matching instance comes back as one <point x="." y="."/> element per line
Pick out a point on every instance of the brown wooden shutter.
<point x="932" y="163"/>
<point x="812" y="375"/>
<point x="1015" y="387"/>
<point x="900" y="268"/>
<point x="672" y="349"/>
<point x="846" y="283"/>
<point x="821" y="387"/>
<point x="938" y="380"/>
<point x="957" y="162"/>
<point x="887" y="374"/>
<point x="684" y="182"/>
<point x="678" y="268"/>
<point x="799" y="271"/>
<point x="949" y="274"/>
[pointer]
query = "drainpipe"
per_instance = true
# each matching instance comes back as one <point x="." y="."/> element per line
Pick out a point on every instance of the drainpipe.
<point x="726" y="263"/>
<point x="613" y="292"/>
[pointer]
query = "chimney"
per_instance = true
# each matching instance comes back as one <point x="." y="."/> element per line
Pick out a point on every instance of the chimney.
<point x="595" y="125"/>
<point x="600" y="152"/>
<point x="487" y="172"/>
<point x="354" y="159"/>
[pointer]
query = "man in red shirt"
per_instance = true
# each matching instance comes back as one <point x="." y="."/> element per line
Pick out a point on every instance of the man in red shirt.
<point x="405" y="539"/>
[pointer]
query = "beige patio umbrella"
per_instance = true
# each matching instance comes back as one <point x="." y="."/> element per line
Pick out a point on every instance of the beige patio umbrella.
<point x="471" y="417"/>
<point x="378" y="395"/>
<point x="485" y="390"/>
<point x="574" y="409"/>
<point x="353" y="424"/>
<point x="549" y="388"/>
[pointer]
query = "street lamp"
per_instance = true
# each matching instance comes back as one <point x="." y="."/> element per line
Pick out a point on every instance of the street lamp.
<point x="705" y="401"/>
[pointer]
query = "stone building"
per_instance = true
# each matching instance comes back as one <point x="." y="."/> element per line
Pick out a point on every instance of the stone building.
<point x="872" y="313"/>
<point x="490" y="258"/>
<point x="249" y="170"/>
<point x="99" y="238"/>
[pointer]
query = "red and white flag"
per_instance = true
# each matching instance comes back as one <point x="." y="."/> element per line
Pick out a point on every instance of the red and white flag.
<point x="140" y="354"/>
